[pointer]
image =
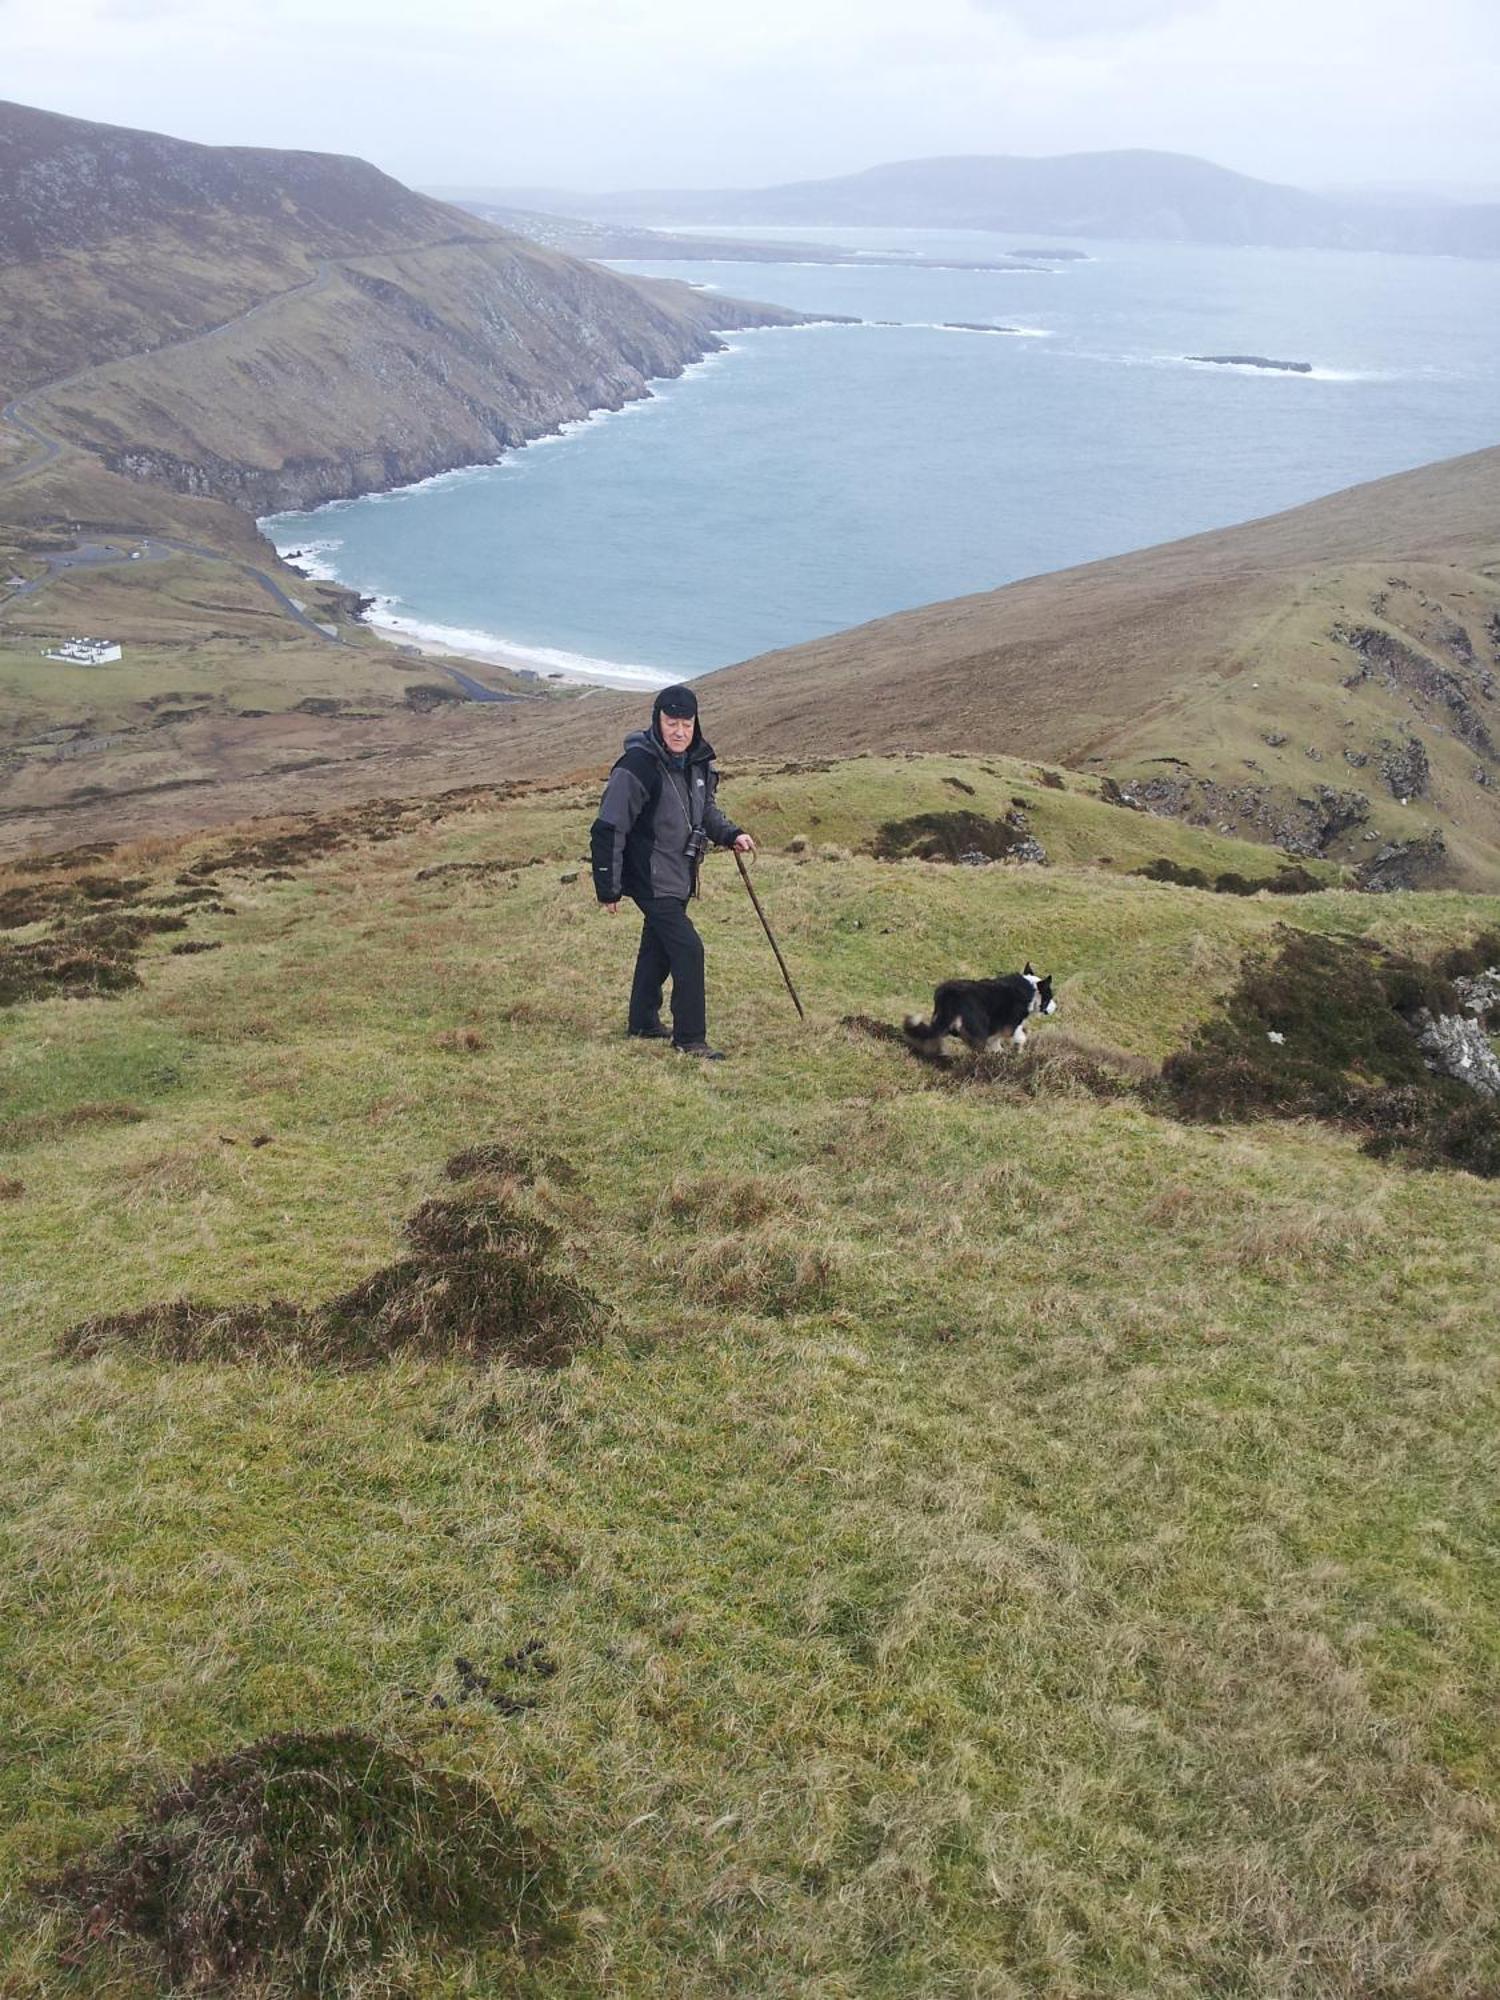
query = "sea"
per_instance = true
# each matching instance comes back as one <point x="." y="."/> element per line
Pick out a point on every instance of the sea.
<point x="810" y="479"/>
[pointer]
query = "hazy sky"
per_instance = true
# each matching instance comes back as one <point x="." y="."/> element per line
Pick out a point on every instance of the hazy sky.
<point x="623" y="93"/>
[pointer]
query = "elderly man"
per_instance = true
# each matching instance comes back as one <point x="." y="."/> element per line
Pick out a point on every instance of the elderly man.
<point x="656" y="821"/>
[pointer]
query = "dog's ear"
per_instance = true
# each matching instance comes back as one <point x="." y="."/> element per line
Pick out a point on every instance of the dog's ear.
<point x="1026" y="971"/>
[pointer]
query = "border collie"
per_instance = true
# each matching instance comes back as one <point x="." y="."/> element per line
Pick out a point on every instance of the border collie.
<point x="984" y="1013"/>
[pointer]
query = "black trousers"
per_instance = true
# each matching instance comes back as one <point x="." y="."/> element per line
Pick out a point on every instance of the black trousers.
<point x="669" y="946"/>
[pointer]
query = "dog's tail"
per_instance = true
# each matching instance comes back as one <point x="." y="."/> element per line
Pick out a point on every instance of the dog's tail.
<point x="925" y="1034"/>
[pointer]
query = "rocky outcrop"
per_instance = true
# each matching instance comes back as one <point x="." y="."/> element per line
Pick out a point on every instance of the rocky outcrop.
<point x="1405" y="864"/>
<point x="1309" y="824"/>
<point x="1402" y="668"/>
<point x="1406" y="768"/>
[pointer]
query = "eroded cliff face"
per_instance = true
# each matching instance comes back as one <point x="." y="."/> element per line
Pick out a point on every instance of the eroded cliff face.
<point x="387" y="370"/>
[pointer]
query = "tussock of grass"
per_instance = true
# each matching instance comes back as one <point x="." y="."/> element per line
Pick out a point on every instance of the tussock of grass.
<point x="461" y="1041"/>
<point x="37" y="902"/>
<point x="63" y="858"/>
<point x="477" y="1307"/>
<point x="82" y="956"/>
<point x="40" y="1127"/>
<point x="773" y="1271"/>
<point x="728" y="1201"/>
<point x="1052" y="1065"/>
<point x="476" y="1227"/>
<point x="300" y="1861"/>
<point x="1306" y="1235"/>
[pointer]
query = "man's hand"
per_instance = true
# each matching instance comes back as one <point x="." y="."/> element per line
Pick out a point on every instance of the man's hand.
<point x="611" y="909"/>
<point x="744" y="844"/>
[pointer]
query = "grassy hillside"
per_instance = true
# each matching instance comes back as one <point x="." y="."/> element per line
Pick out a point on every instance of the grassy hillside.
<point x="999" y="1540"/>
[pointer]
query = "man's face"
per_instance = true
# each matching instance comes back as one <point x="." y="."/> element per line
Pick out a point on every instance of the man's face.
<point x="677" y="732"/>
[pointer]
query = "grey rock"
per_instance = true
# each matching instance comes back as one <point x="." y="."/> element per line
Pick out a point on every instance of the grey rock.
<point x="1480" y="994"/>
<point x="1455" y="1046"/>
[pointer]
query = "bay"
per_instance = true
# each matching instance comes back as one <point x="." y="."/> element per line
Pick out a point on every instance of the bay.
<point x="811" y="479"/>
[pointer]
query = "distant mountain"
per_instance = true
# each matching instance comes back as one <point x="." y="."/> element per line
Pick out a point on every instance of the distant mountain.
<point x="279" y="328"/>
<point x="1163" y="197"/>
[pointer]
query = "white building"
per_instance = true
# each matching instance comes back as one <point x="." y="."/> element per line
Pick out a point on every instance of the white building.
<point x="85" y="652"/>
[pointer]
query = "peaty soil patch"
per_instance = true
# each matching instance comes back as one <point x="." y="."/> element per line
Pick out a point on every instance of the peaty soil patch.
<point x="38" y="902"/>
<point x="300" y="1861"/>
<point x="80" y="960"/>
<point x="519" y="1163"/>
<point x="944" y="836"/>
<point x="476" y="1289"/>
<point x="1290" y="881"/>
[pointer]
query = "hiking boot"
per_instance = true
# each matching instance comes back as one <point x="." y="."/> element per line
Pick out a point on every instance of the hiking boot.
<point x="655" y="1033"/>
<point x="700" y="1049"/>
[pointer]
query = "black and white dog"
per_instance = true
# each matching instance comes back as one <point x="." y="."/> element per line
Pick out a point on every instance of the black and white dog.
<point x="984" y="1012"/>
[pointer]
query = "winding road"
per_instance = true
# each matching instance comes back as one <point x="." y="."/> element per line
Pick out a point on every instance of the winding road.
<point x="19" y="416"/>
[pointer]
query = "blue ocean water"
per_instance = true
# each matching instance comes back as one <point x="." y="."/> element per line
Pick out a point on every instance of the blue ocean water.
<point x="807" y="480"/>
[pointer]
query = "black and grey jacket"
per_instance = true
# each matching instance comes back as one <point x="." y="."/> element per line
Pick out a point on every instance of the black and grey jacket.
<point x="642" y="840"/>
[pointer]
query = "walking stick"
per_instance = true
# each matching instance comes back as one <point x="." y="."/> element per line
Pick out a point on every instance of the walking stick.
<point x="745" y="878"/>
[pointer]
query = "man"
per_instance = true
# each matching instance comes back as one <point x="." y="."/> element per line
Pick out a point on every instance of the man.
<point x="656" y="821"/>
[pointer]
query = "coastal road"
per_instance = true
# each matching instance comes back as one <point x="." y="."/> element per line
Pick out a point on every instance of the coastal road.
<point x="157" y="548"/>
<point x="53" y="447"/>
<point x="19" y="415"/>
<point x="324" y="271"/>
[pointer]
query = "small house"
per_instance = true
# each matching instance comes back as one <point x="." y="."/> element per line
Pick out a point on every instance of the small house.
<point x="85" y="652"/>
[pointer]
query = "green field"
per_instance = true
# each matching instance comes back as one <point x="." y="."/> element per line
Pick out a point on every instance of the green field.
<point x="1001" y="1542"/>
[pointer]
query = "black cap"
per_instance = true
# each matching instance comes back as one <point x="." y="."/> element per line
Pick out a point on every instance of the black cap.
<point x="678" y="702"/>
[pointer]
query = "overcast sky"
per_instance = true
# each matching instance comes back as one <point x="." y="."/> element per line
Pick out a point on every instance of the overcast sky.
<point x="628" y="93"/>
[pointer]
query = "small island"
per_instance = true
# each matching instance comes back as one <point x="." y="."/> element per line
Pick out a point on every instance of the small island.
<point x="975" y="326"/>
<point x="1255" y="361"/>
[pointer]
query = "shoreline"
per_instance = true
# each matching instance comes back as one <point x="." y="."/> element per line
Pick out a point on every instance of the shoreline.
<point x="544" y="664"/>
<point x="530" y="663"/>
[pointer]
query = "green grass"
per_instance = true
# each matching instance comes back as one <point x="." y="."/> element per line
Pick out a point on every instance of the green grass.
<point x="1000" y="1548"/>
